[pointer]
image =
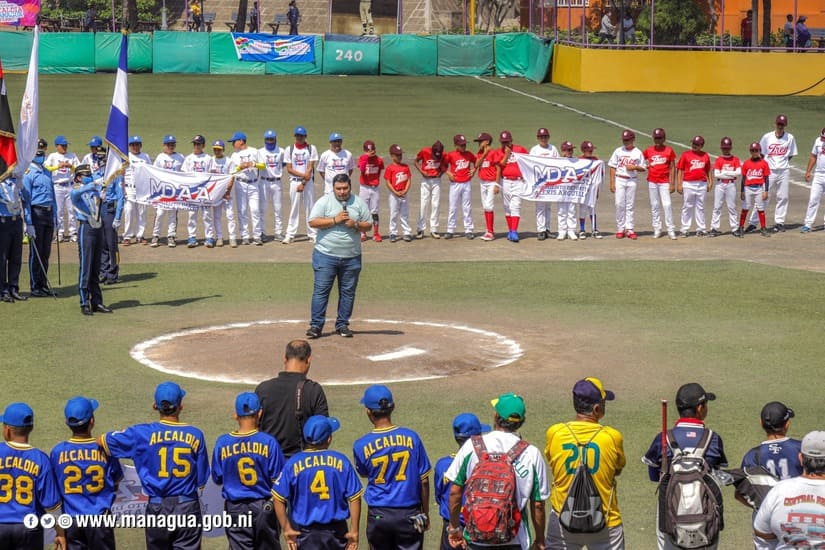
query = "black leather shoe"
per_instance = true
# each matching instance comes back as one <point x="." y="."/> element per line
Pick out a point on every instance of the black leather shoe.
<point x="86" y="310"/>
<point x="6" y="297"/>
<point x="100" y="308"/>
<point x="111" y="281"/>
<point x="39" y="293"/>
<point x="17" y="296"/>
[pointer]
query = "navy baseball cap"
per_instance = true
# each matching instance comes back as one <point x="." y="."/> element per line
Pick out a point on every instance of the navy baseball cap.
<point x="270" y="134"/>
<point x="591" y="390"/>
<point x="510" y="406"/>
<point x="96" y="141"/>
<point x="18" y="415"/>
<point x="79" y="410"/>
<point x="236" y="136"/>
<point x="318" y="428"/>
<point x="300" y="131"/>
<point x="199" y="139"/>
<point x="468" y="425"/>
<point x="61" y="140"/>
<point x="170" y="139"/>
<point x="335" y="136"/>
<point x="169" y="392"/>
<point x="247" y="404"/>
<point x="378" y="398"/>
<point x="218" y="144"/>
<point x="692" y="395"/>
<point x="775" y="414"/>
<point x="135" y="139"/>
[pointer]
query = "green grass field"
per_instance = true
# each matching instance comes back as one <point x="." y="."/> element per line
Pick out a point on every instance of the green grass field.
<point x="750" y="333"/>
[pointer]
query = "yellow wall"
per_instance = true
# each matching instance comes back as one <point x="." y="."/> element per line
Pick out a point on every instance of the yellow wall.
<point x="687" y="72"/>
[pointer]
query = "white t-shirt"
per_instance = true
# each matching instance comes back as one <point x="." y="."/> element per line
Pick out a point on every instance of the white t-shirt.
<point x="331" y="164"/>
<point x="196" y="163"/>
<point x="219" y="165"/>
<point x="547" y="152"/>
<point x="172" y="162"/>
<point x="818" y="151"/>
<point x="794" y="511"/>
<point x="250" y="154"/>
<point x="129" y="173"/>
<point x="65" y="175"/>
<point x="778" y="150"/>
<point x="531" y="475"/>
<point x="300" y="158"/>
<point x="273" y="162"/>
<point x="622" y="157"/>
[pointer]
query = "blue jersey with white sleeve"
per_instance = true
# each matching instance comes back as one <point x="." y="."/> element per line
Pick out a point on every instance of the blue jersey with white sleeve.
<point x="395" y="462"/>
<point x="688" y="433"/>
<point x="27" y="484"/>
<point x="779" y="456"/>
<point x="246" y="464"/>
<point x="85" y="475"/>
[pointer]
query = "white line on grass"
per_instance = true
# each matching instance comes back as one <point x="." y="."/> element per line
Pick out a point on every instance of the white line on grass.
<point x="605" y="120"/>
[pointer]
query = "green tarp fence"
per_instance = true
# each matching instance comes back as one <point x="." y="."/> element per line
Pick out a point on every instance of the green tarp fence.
<point x="67" y="52"/>
<point x="403" y="54"/>
<point x="181" y="52"/>
<point x="346" y="54"/>
<point x="15" y="50"/>
<point x="107" y="52"/>
<point x="460" y="55"/>
<point x="523" y="54"/>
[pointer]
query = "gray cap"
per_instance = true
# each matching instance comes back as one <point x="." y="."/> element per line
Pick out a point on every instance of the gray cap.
<point x="813" y="445"/>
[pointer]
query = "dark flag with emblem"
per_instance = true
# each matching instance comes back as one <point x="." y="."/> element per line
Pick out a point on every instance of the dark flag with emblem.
<point x="8" y="154"/>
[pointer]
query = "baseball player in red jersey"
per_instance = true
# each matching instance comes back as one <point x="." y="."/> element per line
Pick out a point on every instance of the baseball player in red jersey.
<point x="693" y="181"/>
<point x="461" y="165"/>
<point x="625" y="164"/>
<point x="587" y="149"/>
<point x="510" y="179"/>
<point x="661" y="182"/>
<point x="398" y="178"/>
<point x="567" y="210"/>
<point x="487" y="160"/>
<point x="726" y="170"/>
<point x="778" y="148"/>
<point x="755" y="182"/>
<point x="547" y="150"/>
<point x="370" y="165"/>
<point x="817" y="159"/>
<point x="430" y="164"/>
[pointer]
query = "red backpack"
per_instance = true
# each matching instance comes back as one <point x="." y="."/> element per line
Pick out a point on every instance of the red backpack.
<point x="491" y="514"/>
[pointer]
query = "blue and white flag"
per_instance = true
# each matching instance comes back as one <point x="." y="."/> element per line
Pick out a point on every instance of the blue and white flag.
<point x="117" y="132"/>
<point x="269" y="47"/>
<point x="28" y="132"/>
<point x="559" y="179"/>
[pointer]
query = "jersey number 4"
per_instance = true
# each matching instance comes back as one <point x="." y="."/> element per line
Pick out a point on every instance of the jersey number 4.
<point x="20" y="488"/>
<point x="319" y="485"/>
<point x="180" y="458"/>
<point x="383" y="462"/>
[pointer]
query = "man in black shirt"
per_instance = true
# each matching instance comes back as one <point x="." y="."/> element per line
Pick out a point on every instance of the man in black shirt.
<point x="291" y="398"/>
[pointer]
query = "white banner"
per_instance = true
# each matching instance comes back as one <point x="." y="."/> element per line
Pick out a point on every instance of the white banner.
<point x="560" y="179"/>
<point x="178" y="190"/>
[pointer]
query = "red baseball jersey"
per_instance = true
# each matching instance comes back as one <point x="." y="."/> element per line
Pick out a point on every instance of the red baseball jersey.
<point x="460" y="163"/>
<point x="511" y="169"/>
<point x="727" y="164"/>
<point x="659" y="160"/>
<point x="488" y="169"/>
<point x="431" y="166"/>
<point x="398" y="176"/>
<point x="694" y="165"/>
<point x="370" y="169"/>
<point x="755" y="172"/>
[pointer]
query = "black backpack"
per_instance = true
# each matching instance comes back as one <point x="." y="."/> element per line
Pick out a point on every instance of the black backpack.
<point x="753" y="483"/>
<point x="583" y="510"/>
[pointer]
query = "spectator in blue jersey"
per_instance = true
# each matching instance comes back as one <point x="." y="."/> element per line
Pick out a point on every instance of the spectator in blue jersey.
<point x="395" y="463"/>
<point x="86" y="475"/>
<point x="247" y="462"/>
<point x="465" y="426"/>
<point x="173" y="466"/>
<point x="778" y="453"/>
<point x="30" y="473"/>
<point x="317" y="491"/>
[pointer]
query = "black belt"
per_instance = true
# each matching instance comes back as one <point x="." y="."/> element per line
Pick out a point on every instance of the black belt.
<point x="270" y="179"/>
<point x="68" y="183"/>
<point x="246" y="181"/>
<point x="5" y="219"/>
<point x="178" y="498"/>
<point x="42" y="208"/>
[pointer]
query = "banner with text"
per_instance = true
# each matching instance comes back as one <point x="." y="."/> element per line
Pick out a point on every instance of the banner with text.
<point x="178" y="190"/>
<point x="21" y="13"/>
<point x="270" y="47"/>
<point x="560" y="179"/>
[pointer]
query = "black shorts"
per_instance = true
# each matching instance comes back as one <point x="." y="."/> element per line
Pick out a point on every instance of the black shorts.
<point x="181" y="538"/>
<point x="264" y="532"/>
<point x="18" y="536"/>
<point x="327" y="536"/>
<point x="391" y="529"/>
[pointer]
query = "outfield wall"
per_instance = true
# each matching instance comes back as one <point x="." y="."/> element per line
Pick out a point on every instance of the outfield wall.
<point x="510" y="54"/>
<point x="689" y="72"/>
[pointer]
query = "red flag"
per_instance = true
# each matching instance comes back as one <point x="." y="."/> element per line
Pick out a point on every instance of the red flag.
<point x="8" y="153"/>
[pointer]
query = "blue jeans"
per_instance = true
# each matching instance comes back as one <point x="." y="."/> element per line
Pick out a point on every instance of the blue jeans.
<point x="326" y="269"/>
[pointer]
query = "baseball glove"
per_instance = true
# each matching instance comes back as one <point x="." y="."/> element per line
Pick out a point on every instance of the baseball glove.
<point x="420" y="522"/>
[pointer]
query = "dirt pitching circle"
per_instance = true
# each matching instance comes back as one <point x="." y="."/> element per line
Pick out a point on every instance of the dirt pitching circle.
<point x="382" y="351"/>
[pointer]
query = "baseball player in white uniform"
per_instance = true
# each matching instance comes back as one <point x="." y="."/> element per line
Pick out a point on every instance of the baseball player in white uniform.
<point x="213" y="218"/>
<point x="169" y="159"/>
<point x="243" y="164"/>
<point x="62" y="164"/>
<point x="778" y="148"/>
<point x="429" y="163"/>
<point x="543" y="149"/>
<point x="134" y="214"/>
<point x="727" y="171"/>
<point x="271" y="166"/>
<point x="91" y="157"/>
<point x="198" y="162"/>
<point x="817" y="160"/>
<point x="300" y="160"/>
<point x="625" y="164"/>
<point x="335" y="160"/>
<point x="566" y="216"/>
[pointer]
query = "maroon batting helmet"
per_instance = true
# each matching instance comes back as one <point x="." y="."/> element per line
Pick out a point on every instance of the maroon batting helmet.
<point x="698" y="140"/>
<point x="755" y="146"/>
<point x="726" y="143"/>
<point x="627" y="135"/>
<point x="567" y="146"/>
<point x="781" y="120"/>
<point x="587" y="146"/>
<point x="505" y="137"/>
<point x="822" y="133"/>
<point x="369" y="145"/>
<point x="659" y="133"/>
<point x="438" y="149"/>
<point x="459" y="139"/>
<point x="543" y="132"/>
<point x="395" y="149"/>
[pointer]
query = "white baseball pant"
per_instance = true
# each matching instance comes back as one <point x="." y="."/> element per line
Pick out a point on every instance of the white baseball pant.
<point x="370" y="195"/>
<point x="693" y="204"/>
<point x="430" y="195"/>
<point x="296" y="199"/>
<point x="625" y="199"/>
<point x="542" y="216"/>
<point x="171" y="228"/>
<point x="134" y="219"/>
<point x="272" y="191"/>
<point x="63" y="197"/>
<point x="779" y="186"/>
<point x="488" y="196"/>
<point x="817" y="188"/>
<point x="566" y="216"/>
<point x="399" y="208"/>
<point x="248" y="195"/>
<point x="192" y="222"/>
<point x="660" y="203"/>
<point x="512" y="202"/>
<point x="724" y="193"/>
<point x="753" y="196"/>
<point x="213" y="220"/>
<point x="460" y="193"/>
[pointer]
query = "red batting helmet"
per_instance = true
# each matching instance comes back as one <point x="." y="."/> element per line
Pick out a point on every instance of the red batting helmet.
<point x="755" y="146"/>
<point x="726" y="143"/>
<point x="543" y="132"/>
<point x="659" y="133"/>
<point x="505" y="137"/>
<point x="587" y="146"/>
<point x="369" y="145"/>
<point x="698" y="140"/>
<point x="782" y="119"/>
<point x="627" y="135"/>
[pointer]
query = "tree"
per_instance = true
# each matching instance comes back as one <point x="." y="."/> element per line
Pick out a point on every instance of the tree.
<point x="766" y="22"/>
<point x="676" y="21"/>
<point x="240" y="22"/>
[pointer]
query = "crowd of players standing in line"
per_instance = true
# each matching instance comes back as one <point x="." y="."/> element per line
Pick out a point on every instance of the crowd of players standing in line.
<point x="313" y="490"/>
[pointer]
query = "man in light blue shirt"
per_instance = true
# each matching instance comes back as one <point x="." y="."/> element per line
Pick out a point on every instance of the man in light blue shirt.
<point x="339" y="218"/>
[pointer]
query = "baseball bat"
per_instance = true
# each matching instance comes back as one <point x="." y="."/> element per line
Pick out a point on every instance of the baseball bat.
<point x="663" y="470"/>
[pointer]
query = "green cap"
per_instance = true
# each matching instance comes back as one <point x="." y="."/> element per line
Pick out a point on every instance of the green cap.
<point x="510" y="407"/>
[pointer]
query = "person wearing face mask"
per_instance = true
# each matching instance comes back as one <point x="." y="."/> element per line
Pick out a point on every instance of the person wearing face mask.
<point x="38" y="185"/>
<point x="271" y="157"/>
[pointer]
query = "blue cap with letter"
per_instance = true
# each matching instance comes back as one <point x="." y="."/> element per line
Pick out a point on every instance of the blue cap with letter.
<point x="468" y="425"/>
<point x="79" y="410"/>
<point x="236" y="136"/>
<point x="18" y="415"/>
<point x="335" y="136"/>
<point x="300" y="131"/>
<point x="96" y="141"/>
<point x="218" y="144"/>
<point x="318" y="428"/>
<point x="378" y="398"/>
<point x="170" y="393"/>
<point x="61" y="140"/>
<point x="270" y="134"/>
<point x="247" y="404"/>
<point x="167" y="140"/>
<point x="135" y="139"/>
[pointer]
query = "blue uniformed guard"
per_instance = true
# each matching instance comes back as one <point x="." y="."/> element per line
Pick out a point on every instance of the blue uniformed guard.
<point x="247" y="462"/>
<point x="38" y="185"/>
<point x="173" y="466"/>
<point x="321" y="490"/>
<point x="111" y="211"/>
<point x="13" y="200"/>
<point x="86" y="476"/>
<point x="86" y="202"/>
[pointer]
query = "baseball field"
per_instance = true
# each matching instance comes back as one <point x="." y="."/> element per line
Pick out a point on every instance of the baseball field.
<point x="467" y="319"/>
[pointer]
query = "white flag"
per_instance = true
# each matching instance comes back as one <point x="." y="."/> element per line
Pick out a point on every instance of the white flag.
<point x="28" y="132"/>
